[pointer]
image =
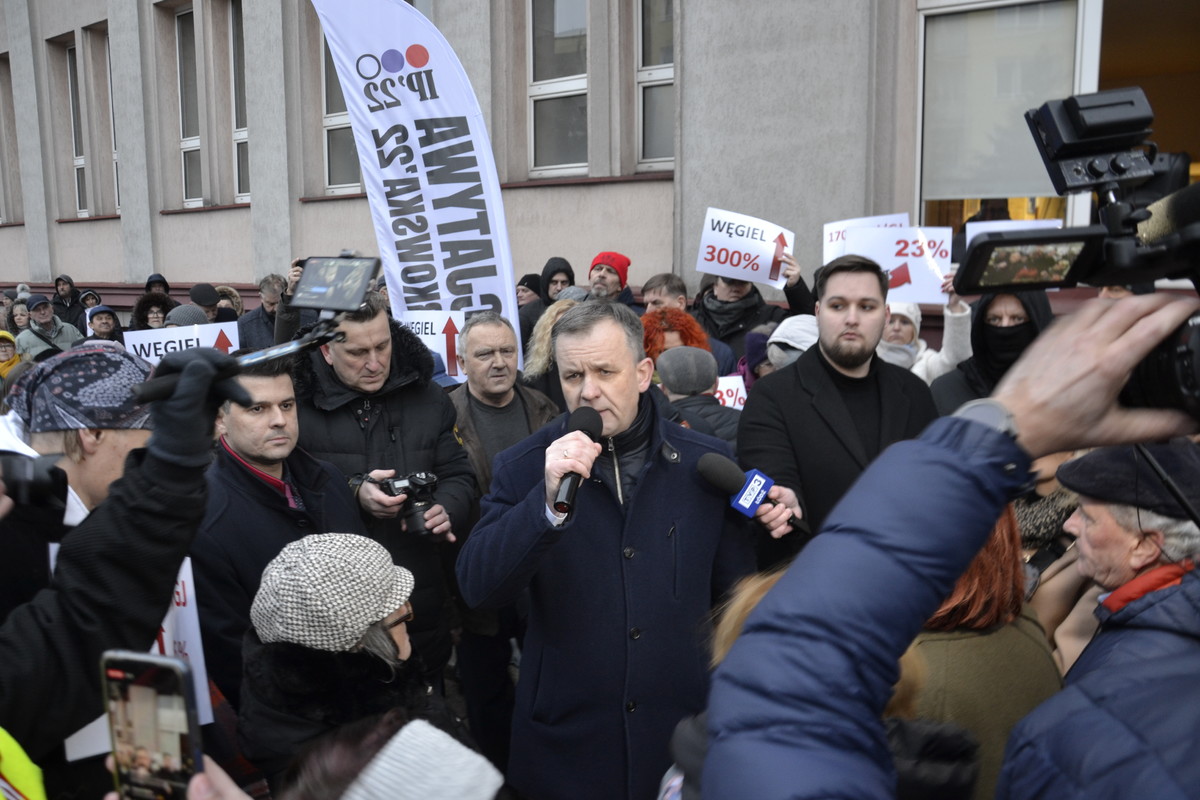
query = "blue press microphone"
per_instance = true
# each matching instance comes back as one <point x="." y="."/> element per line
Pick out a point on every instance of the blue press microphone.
<point x="747" y="490"/>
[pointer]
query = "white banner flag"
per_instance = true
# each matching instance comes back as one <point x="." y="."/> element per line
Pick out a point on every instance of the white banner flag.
<point x="427" y="164"/>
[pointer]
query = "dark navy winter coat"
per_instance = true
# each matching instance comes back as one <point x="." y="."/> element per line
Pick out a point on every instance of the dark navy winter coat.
<point x="795" y="709"/>
<point x="1127" y="723"/>
<point x="617" y="646"/>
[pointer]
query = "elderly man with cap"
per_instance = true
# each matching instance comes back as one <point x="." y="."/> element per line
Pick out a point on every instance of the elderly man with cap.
<point x="329" y="646"/>
<point x="609" y="278"/>
<point x="104" y="324"/>
<point x="206" y="296"/>
<point x="47" y="335"/>
<point x="528" y="288"/>
<point x="1125" y="725"/>
<point x="688" y="377"/>
<point x="125" y="517"/>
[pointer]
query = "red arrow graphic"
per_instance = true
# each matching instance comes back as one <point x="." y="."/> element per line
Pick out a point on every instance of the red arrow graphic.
<point x="780" y="243"/>
<point x="451" y="330"/>
<point x="222" y="343"/>
<point x="899" y="276"/>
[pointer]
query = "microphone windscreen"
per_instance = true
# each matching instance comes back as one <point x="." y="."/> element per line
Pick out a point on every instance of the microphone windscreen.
<point x="586" y="419"/>
<point x="1170" y="214"/>
<point x="721" y="472"/>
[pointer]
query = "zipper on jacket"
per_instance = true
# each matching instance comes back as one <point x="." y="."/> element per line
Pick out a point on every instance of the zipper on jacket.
<point x="612" y="451"/>
<point x="364" y="414"/>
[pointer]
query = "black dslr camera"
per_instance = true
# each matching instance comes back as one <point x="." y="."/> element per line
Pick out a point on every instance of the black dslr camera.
<point x="419" y="486"/>
<point x="1148" y="228"/>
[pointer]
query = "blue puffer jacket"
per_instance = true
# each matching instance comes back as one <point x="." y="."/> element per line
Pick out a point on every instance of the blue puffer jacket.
<point x="795" y="708"/>
<point x="1127" y="724"/>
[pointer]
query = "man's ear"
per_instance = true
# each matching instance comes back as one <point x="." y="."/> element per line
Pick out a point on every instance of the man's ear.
<point x="220" y="428"/>
<point x="1148" y="551"/>
<point x="645" y="372"/>
<point x="325" y="352"/>
<point x="89" y="440"/>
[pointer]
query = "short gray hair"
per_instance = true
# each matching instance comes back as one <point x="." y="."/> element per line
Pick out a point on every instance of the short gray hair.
<point x="378" y="641"/>
<point x="482" y="318"/>
<point x="584" y="317"/>
<point x="1181" y="537"/>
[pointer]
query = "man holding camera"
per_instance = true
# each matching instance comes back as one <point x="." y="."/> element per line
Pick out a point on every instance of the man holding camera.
<point x="264" y="493"/>
<point x="368" y="404"/>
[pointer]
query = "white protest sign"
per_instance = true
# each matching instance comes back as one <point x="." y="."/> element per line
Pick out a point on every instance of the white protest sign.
<point x="179" y="637"/>
<point x="744" y="248"/>
<point x="833" y="237"/>
<point x="916" y="260"/>
<point x="427" y="164"/>
<point x="731" y="391"/>
<point x="439" y="331"/>
<point x="992" y="226"/>
<point x="154" y="344"/>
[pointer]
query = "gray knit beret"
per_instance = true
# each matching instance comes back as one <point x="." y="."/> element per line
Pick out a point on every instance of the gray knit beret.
<point x="324" y="591"/>
<point x="186" y="315"/>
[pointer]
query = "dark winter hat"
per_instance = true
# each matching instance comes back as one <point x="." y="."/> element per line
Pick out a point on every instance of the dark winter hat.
<point x="687" y="370"/>
<point x="756" y="349"/>
<point x="617" y="261"/>
<point x="186" y="315"/>
<point x="532" y="282"/>
<point x="324" y="591"/>
<point x="1121" y="476"/>
<point x="88" y="386"/>
<point x="94" y="310"/>
<point x="157" y="278"/>
<point x="35" y="300"/>
<point x="65" y="278"/>
<point x="204" y="294"/>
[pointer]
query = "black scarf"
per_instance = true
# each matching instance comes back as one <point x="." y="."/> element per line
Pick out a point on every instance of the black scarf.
<point x="726" y="315"/>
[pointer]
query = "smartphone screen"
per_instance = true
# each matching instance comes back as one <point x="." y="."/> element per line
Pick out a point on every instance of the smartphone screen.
<point x="152" y="717"/>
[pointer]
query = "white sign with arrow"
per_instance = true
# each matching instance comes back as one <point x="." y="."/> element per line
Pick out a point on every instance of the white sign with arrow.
<point x="439" y="331"/>
<point x="744" y="248"/>
<point x="915" y="259"/>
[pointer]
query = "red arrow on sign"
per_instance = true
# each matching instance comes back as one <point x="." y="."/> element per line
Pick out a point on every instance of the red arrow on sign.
<point x="451" y="330"/>
<point x="780" y="243"/>
<point x="899" y="276"/>
<point x="222" y="343"/>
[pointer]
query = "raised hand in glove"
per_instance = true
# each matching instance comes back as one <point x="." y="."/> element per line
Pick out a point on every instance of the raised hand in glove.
<point x="184" y="421"/>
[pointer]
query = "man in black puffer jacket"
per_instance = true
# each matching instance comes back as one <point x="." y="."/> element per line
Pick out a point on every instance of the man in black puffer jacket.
<point x="368" y="405"/>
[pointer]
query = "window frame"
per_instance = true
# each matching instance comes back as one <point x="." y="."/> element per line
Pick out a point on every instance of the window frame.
<point x="188" y="144"/>
<point x="551" y="89"/>
<point x="331" y="122"/>
<point x="240" y="135"/>
<point x="648" y="78"/>
<point x="78" y="133"/>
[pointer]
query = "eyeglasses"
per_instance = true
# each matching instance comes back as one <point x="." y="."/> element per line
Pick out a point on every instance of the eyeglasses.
<point x="154" y="312"/>
<point x="7" y="346"/>
<point x="406" y="615"/>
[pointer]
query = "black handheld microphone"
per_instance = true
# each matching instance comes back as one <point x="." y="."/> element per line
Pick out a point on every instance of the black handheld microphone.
<point x="746" y="488"/>
<point x="586" y="419"/>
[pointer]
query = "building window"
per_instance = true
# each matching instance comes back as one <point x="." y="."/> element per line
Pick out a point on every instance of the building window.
<point x="558" y="85"/>
<point x="656" y="85"/>
<point x="342" y="173"/>
<point x="77" y="148"/>
<point x="112" y="121"/>
<point x="982" y="70"/>
<point x="189" y="109"/>
<point x="237" y="68"/>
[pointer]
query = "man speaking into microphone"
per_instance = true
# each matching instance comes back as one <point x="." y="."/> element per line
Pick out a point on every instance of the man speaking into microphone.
<point x="622" y="585"/>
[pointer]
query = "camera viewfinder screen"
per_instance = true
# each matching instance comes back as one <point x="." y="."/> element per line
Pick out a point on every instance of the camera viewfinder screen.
<point x="152" y="746"/>
<point x="1030" y="263"/>
<point x="335" y="284"/>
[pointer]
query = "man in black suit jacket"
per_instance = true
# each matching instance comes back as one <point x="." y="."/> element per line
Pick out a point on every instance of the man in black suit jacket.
<point x="815" y="425"/>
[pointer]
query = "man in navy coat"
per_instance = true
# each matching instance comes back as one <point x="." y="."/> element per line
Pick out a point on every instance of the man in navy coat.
<point x="621" y="590"/>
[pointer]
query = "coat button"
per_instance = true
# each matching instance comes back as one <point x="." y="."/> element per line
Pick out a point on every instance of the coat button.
<point x="635" y="633"/>
<point x="628" y="552"/>
<point x="631" y="706"/>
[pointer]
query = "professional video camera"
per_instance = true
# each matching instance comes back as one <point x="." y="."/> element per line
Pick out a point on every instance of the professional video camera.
<point x="1095" y="142"/>
<point x="329" y="285"/>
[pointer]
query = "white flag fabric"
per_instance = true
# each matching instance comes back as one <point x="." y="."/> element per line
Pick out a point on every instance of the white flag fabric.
<point x="427" y="165"/>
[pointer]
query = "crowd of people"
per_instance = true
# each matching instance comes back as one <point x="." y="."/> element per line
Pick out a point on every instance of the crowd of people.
<point x="940" y="594"/>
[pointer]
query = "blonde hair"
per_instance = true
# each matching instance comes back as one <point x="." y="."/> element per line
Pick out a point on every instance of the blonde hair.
<point x="541" y="347"/>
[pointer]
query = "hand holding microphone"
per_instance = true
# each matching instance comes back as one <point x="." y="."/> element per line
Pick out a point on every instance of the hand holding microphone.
<point x="569" y="459"/>
<point x="755" y="495"/>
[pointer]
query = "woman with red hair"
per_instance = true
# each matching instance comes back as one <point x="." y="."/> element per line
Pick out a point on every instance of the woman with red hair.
<point x="671" y="327"/>
<point x="987" y="659"/>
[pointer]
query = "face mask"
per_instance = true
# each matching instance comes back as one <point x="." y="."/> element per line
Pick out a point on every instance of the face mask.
<point x="1006" y="344"/>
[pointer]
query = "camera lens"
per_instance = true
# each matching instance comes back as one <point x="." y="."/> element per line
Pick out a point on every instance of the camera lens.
<point x="1167" y="377"/>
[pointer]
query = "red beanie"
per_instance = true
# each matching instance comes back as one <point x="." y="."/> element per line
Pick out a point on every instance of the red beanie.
<point x="615" y="260"/>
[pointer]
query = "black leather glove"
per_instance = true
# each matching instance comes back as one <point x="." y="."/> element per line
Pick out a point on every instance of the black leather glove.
<point x="184" y="421"/>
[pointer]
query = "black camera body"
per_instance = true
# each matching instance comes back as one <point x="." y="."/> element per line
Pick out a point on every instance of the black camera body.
<point x="419" y="488"/>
